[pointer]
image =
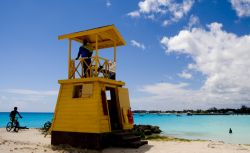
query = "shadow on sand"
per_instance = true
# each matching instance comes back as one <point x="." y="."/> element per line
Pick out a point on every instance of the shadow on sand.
<point x="69" y="149"/>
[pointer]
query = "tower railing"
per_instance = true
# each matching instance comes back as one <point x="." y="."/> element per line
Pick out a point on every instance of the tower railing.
<point x="90" y="67"/>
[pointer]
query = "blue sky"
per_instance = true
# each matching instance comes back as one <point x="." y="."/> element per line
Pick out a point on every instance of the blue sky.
<point x="180" y="54"/>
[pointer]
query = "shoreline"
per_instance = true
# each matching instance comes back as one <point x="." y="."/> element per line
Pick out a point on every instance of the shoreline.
<point x="185" y="114"/>
<point x="32" y="140"/>
<point x="198" y="139"/>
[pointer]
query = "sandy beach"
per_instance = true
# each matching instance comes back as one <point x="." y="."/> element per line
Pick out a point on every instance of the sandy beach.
<point x="32" y="140"/>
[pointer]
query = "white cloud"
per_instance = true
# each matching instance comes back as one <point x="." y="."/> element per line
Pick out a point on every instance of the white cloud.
<point x="222" y="57"/>
<point x="185" y="75"/>
<point x="108" y="3"/>
<point x="134" y="14"/>
<point x="169" y="96"/>
<point x="152" y="17"/>
<point x="137" y="44"/>
<point x="166" y="22"/>
<point x="242" y="7"/>
<point x="32" y="92"/>
<point x="193" y="21"/>
<point x="28" y="100"/>
<point x="169" y="9"/>
<point x="161" y="88"/>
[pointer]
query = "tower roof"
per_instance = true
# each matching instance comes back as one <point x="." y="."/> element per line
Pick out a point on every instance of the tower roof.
<point x="107" y="37"/>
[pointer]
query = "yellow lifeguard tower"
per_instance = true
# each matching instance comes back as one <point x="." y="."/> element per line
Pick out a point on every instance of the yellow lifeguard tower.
<point x="91" y="104"/>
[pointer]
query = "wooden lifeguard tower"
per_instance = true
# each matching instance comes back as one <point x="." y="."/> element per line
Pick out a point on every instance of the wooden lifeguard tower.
<point x="93" y="108"/>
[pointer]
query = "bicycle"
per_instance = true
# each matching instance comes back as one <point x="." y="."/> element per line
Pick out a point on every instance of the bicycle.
<point x="13" y="125"/>
<point x="46" y="128"/>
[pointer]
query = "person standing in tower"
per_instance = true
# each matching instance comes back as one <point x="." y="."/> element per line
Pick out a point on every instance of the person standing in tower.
<point x="85" y="52"/>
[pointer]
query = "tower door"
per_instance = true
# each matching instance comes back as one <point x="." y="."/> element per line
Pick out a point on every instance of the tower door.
<point x="124" y="108"/>
<point x="113" y="108"/>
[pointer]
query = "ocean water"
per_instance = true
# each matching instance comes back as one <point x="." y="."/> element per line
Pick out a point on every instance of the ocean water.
<point x="204" y="127"/>
<point x="31" y="120"/>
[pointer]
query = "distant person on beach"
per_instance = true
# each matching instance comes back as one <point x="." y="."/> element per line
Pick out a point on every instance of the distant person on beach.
<point x="230" y="131"/>
<point x="85" y="52"/>
<point x="13" y="118"/>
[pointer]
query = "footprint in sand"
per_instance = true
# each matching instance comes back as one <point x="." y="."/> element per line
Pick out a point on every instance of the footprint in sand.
<point x="241" y="148"/>
<point x="26" y="148"/>
<point x="214" y="145"/>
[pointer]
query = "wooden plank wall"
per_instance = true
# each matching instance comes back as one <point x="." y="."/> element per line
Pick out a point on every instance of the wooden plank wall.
<point x="80" y="114"/>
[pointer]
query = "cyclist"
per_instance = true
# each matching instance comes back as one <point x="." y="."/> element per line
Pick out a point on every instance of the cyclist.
<point x="13" y="118"/>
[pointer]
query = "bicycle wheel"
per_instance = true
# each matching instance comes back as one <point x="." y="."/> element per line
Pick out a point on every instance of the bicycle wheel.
<point x="16" y="130"/>
<point x="9" y="126"/>
<point x="47" y="125"/>
<point x="16" y="126"/>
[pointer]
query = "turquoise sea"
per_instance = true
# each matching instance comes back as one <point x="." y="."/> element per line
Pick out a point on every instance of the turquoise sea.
<point x="204" y="127"/>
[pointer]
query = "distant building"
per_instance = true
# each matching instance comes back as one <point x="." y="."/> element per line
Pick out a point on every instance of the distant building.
<point x="229" y="113"/>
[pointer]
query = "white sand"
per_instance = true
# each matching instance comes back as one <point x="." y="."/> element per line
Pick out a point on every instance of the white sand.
<point x="31" y="140"/>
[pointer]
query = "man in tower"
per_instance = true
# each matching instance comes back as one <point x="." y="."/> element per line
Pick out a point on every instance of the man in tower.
<point x="13" y="118"/>
<point x="85" y="52"/>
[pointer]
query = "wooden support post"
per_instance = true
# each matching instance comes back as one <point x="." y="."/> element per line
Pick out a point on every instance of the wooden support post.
<point x="97" y="57"/>
<point x="69" y="59"/>
<point x="114" y="51"/>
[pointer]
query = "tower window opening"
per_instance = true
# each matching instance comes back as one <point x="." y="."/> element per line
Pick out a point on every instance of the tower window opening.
<point x="83" y="91"/>
<point x="77" y="92"/>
